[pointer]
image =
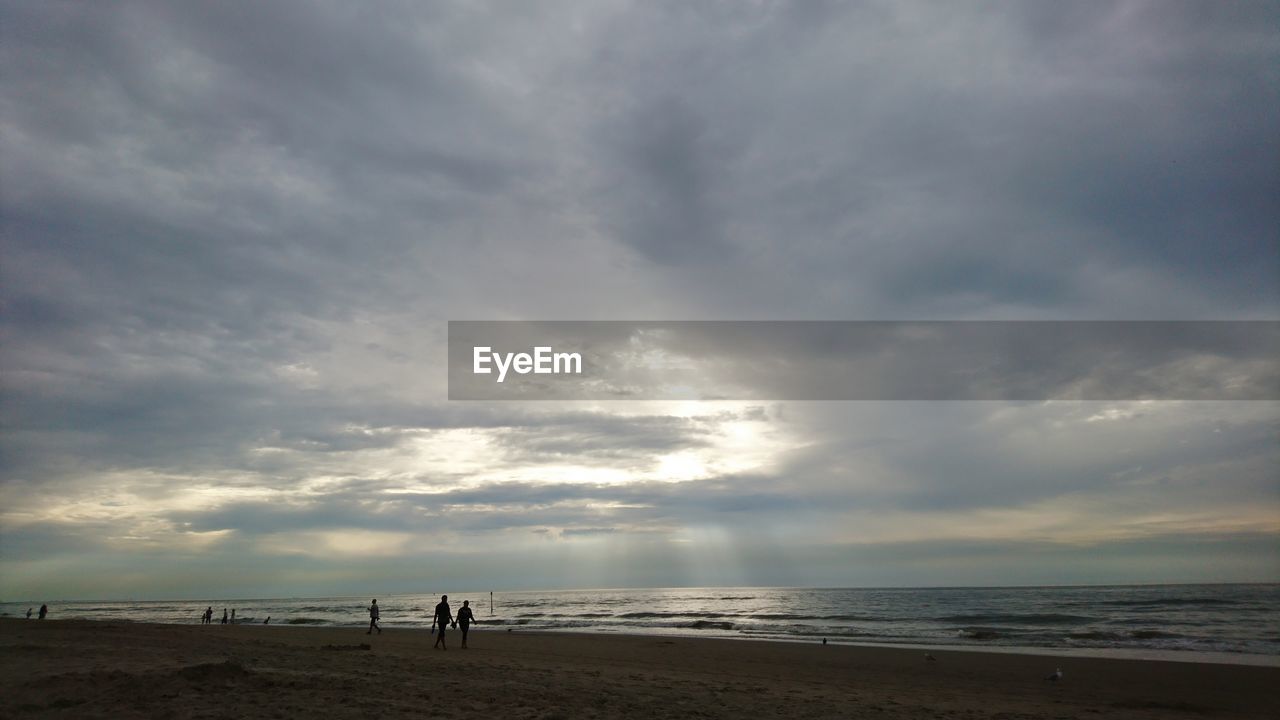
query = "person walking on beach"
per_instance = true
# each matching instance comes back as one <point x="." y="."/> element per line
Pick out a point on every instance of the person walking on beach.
<point x="465" y="618"/>
<point x="28" y="613"/>
<point x="443" y="617"/>
<point x="208" y="616"/>
<point x="373" y="618"/>
<point x="44" y="610"/>
<point x="233" y="616"/>
<point x="224" y="616"/>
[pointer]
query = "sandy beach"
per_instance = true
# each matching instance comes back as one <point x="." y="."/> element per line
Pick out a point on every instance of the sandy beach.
<point x="85" y="669"/>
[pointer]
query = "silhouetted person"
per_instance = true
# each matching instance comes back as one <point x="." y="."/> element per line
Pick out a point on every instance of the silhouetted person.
<point x="373" y="618"/>
<point x="465" y="618"/>
<point x="224" y="616"/>
<point x="208" y="615"/>
<point x="267" y="621"/>
<point x="44" y="610"/>
<point x="443" y="617"/>
<point x="28" y="613"/>
<point x="233" y="616"/>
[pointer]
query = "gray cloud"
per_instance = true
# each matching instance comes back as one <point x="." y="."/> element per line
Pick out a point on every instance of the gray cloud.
<point x="666" y="187"/>
<point x="231" y="234"/>
<point x="599" y="436"/>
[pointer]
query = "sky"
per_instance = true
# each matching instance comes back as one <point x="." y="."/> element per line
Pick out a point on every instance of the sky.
<point x="233" y="235"/>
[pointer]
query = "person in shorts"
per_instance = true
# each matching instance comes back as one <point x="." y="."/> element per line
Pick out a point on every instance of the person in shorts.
<point x="442" y="618"/>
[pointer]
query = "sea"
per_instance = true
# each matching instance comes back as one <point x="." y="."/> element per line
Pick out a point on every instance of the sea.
<point x="1170" y="621"/>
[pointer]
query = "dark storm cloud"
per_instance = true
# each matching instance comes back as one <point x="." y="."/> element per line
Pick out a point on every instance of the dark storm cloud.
<point x="665" y="190"/>
<point x="958" y="161"/>
<point x="1175" y="125"/>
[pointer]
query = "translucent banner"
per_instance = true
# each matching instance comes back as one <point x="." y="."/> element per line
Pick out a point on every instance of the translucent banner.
<point x="822" y="360"/>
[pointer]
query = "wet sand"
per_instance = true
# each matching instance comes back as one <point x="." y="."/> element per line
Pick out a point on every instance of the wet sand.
<point x="84" y="669"/>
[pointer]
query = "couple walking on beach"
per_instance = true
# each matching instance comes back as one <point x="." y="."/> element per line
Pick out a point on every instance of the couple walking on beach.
<point x="443" y="617"/>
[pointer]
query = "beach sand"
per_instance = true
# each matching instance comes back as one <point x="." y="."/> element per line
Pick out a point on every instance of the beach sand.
<point x="83" y="669"/>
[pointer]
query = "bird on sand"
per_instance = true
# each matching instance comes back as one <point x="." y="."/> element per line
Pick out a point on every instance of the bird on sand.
<point x="1055" y="676"/>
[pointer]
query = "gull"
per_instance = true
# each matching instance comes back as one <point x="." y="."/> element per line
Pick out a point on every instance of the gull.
<point x="1055" y="676"/>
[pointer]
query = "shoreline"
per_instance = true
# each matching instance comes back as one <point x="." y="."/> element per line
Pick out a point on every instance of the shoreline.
<point x="1144" y="654"/>
<point x="85" y="668"/>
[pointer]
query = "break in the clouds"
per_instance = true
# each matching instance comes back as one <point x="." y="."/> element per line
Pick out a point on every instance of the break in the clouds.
<point x="233" y="234"/>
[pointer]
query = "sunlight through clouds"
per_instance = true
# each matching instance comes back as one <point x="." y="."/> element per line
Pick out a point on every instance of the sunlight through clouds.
<point x="232" y="248"/>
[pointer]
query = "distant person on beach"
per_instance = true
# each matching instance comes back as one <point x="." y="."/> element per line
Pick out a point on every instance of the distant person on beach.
<point x="267" y="621"/>
<point x="28" y="613"/>
<point x="465" y="618"/>
<point x="443" y="617"/>
<point x="233" y="616"/>
<point x="224" y="616"/>
<point x="208" y="616"/>
<point x="373" y="618"/>
<point x="44" y="610"/>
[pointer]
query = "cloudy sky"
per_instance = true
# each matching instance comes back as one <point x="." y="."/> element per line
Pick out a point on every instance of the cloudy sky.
<point x="233" y="234"/>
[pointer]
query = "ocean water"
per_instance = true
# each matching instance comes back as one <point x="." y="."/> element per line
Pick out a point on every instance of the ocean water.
<point x="1166" y="618"/>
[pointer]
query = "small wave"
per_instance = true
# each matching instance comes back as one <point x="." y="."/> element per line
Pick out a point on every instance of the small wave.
<point x="1095" y="635"/>
<point x="858" y="617"/>
<point x="1166" y="602"/>
<point x="639" y="615"/>
<point x="802" y="631"/>
<point x="306" y="621"/>
<point x="979" y="633"/>
<point x="783" y="616"/>
<point x="1032" y="618"/>
<point x="708" y="625"/>
<point x="795" y="616"/>
<point x="1153" y="635"/>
